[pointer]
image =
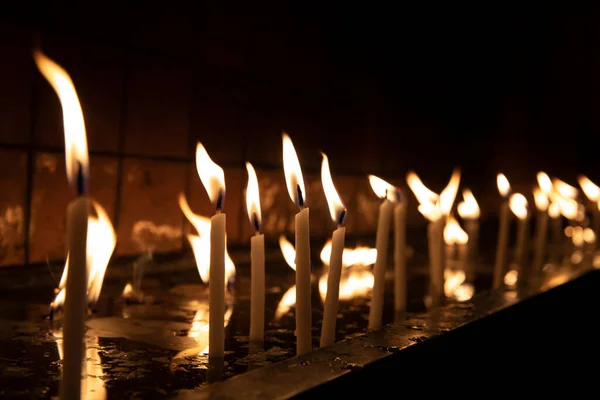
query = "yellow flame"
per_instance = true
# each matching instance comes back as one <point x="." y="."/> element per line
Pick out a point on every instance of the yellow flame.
<point x="564" y="189"/>
<point x="336" y="207"/>
<point x="211" y="175"/>
<point x="591" y="190"/>
<point x="568" y="207"/>
<point x="200" y="326"/>
<point x="544" y="182"/>
<point x="288" y="251"/>
<point x="468" y="208"/>
<point x="201" y="243"/>
<point x="453" y="233"/>
<point x="518" y="205"/>
<point x="355" y="282"/>
<point x="455" y="286"/>
<point x="503" y="185"/>
<point x="540" y="198"/>
<point x="253" y="197"/>
<point x="286" y="303"/>
<point x="293" y="172"/>
<point x="128" y="290"/>
<point x="357" y="256"/>
<point x="382" y="189"/>
<point x="511" y="277"/>
<point x="430" y="211"/>
<point x="101" y="240"/>
<point x="423" y="194"/>
<point x="448" y="195"/>
<point x="554" y="210"/>
<point x="76" y="151"/>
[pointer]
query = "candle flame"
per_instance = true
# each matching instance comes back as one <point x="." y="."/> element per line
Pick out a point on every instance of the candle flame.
<point x="511" y="277"/>
<point x="454" y="234"/>
<point x="359" y="255"/>
<point x="76" y="151"/>
<point x="101" y="240"/>
<point x="554" y="210"/>
<point x="253" y="198"/>
<point x="288" y="251"/>
<point x="568" y="207"/>
<point x="354" y="282"/>
<point x="422" y="193"/>
<point x="448" y="195"/>
<point x="211" y="176"/>
<point x="455" y="286"/>
<point x="336" y="207"/>
<point x="468" y="208"/>
<point x="383" y="189"/>
<point x="564" y="189"/>
<point x="503" y="185"/>
<point x="545" y="183"/>
<point x="293" y="172"/>
<point x="540" y="198"/>
<point x="201" y="243"/>
<point x="430" y="211"/>
<point x="518" y="205"/>
<point x="591" y="190"/>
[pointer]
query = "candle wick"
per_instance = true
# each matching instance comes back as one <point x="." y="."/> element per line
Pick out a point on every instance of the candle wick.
<point x="256" y="223"/>
<point x="80" y="180"/>
<point x="220" y="201"/>
<point x="342" y="218"/>
<point x="300" y="197"/>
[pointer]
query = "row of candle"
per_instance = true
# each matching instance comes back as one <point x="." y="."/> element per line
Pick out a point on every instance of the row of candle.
<point x="392" y="212"/>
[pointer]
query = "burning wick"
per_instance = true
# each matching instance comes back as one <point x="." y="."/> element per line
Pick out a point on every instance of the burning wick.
<point x="300" y="197"/>
<point x="255" y="224"/>
<point x="220" y="201"/>
<point x="80" y="180"/>
<point x="342" y="218"/>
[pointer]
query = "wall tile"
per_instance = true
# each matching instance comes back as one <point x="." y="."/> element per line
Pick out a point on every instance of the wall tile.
<point x="13" y="180"/>
<point x="97" y="73"/>
<point x="16" y="70"/>
<point x="235" y="183"/>
<point x="157" y="108"/>
<point x="51" y="195"/>
<point x="149" y="217"/>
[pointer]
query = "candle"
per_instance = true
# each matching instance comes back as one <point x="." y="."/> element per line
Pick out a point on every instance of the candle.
<point x="434" y="238"/>
<point x="541" y="230"/>
<point x="384" y="191"/>
<point x="213" y="180"/>
<point x="295" y="186"/>
<point x="468" y="210"/>
<point x="257" y="260"/>
<point x="77" y="166"/>
<point x="592" y="192"/>
<point x="456" y="239"/>
<point x="518" y="205"/>
<point x="400" y="274"/>
<point x="556" y="226"/>
<point x="338" y="214"/>
<point x="504" y="220"/>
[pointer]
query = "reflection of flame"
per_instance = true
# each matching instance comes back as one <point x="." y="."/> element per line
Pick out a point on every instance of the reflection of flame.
<point x="286" y="303"/>
<point x="455" y="286"/>
<point x="76" y="152"/>
<point x="383" y="189"/>
<point x="589" y="236"/>
<point x="201" y="243"/>
<point x="468" y="208"/>
<point x="503" y="185"/>
<point x="518" y="205"/>
<point x="200" y="324"/>
<point x="211" y="175"/>
<point x="591" y="190"/>
<point x="355" y="282"/>
<point x="101" y="241"/>
<point x="448" y="195"/>
<point x="293" y="172"/>
<point x="92" y="383"/>
<point x="288" y="251"/>
<point x="357" y="256"/>
<point x="511" y="277"/>
<point x="336" y="207"/>
<point x="540" y="198"/>
<point x="564" y="189"/>
<point x="422" y="193"/>
<point x="453" y="233"/>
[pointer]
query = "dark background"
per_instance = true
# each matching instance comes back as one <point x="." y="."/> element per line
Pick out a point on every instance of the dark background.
<point x="380" y="88"/>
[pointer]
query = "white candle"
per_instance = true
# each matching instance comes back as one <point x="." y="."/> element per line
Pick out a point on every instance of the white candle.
<point x="557" y="234"/>
<point x="381" y="244"/>
<point x="213" y="180"/>
<point x="502" y="244"/>
<point x="338" y="214"/>
<point x="295" y="186"/>
<point x="436" y="264"/>
<point x="257" y="260"/>
<point x="76" y="155"/>
<point x="469" y="211"/>
<point x="541" y="230"/>
<point x="518" y="205"/>
<point x="400" y="275"/>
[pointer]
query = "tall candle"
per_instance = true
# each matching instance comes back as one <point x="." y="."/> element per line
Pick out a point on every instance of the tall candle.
<point x="295" y="186"/>
<point x="338" y="214"/>
<point x="502" y="244"/>
<point x="76" y="155"/>
<point x="213" y="180"/>
<point x="400" y="275"/>
<point x="541" y="230"/>
<point x="257" y="260"/>
<point x="518" y="205"/>
<point x="556" y="231"/>
<point x="381" y="243"/>
<point x="469" y="211"/>
<point x="436" y="262"/>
